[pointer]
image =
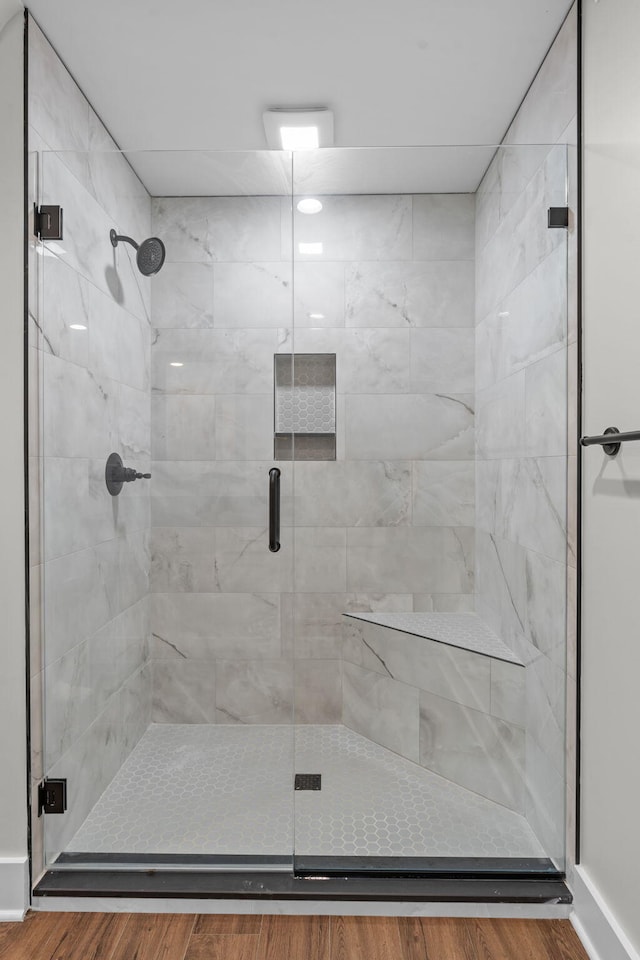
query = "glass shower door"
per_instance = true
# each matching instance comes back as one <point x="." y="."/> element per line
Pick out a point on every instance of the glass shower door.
<point x="167" y="667"/>
<point x="431" y="533"/>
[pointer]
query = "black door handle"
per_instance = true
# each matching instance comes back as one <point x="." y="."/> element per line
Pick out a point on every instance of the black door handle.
<point x="274" y="509"/>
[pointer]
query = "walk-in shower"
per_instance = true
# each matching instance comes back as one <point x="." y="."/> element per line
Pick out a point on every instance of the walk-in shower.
<point x="379" y="388"/>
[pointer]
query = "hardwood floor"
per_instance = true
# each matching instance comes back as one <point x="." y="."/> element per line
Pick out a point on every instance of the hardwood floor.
<point x="141" y="936"/>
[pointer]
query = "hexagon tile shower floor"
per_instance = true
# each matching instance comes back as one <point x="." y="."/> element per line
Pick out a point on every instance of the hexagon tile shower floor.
<point x="228" y="789"/>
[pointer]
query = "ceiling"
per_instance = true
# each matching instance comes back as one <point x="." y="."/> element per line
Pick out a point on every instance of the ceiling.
<point x="197" y="75"/>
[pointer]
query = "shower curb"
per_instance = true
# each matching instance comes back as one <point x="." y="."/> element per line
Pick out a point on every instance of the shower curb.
<point x="280" y="886"/>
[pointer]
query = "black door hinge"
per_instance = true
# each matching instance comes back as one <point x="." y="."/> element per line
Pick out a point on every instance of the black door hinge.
<point x="558" y="217"/>
<point x="52" y="796"/>
<point x="47" y="222"/>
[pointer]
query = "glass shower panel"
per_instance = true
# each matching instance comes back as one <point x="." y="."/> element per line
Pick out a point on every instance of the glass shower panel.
<point x="168" y="670"/>
<point x="431" y="553"/>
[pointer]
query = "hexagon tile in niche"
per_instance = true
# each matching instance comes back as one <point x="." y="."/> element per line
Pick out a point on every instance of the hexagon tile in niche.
<point x="228" y="789"/>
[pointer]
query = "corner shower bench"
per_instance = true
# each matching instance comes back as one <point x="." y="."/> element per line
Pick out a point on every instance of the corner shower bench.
<point x="443" y="690"/>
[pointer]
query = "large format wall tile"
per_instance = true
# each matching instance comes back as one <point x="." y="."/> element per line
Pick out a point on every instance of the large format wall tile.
<point x="357" y="228"/>
<point x="205" y="229"/>
<point x="256" y="294"/>
<point x="443" y="493"/>
<point x="81" y="682"/>
<point x="442" y="360"/>
<point x="184" y="691"/>
<point x="444" y="226"/>
<point x="220" y="493"/>
<point x="429" y="294"/>
<point x="320" y="559"/>
<point x="318" y="294"/>
<point x="95" y="758"/>
<point x="480" y="752"/>
<point x="244" y="564"/>
<point x="546" y="428"/>
<point x="353" y="493"/>
<point x="367" y="361"/>
<point x="215" y="625"/>
<point x="183" y="560"/>
<point x="321" y="629"/>
<point x="244" y="426"/>
<point x="213" y="361"/>
<point x="397" y="559"/>
<point x="182" y="296"/>
<point x="501" y="424"/>
<point x="254" y="691"/>
<point x="183" y="427"/>
<point x="318" y="691"/>
<point x="410" y="427"/>
<point x="529" y="324"/>
<point x="381" y="709"/>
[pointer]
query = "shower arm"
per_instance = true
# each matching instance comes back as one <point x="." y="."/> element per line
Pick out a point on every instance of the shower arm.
<point x="116" y="237"/>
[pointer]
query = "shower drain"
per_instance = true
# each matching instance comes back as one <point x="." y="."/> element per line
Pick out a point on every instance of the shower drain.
<point x="308" y="781"/>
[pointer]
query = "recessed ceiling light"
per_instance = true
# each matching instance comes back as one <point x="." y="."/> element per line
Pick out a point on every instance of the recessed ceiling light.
<point x="312" y="248"/>
<point x="176" y="363"/>
<point x="77" y="326"/>
<point x="289" y="128"/>
<point x="309" y="205"/>
<point x="316" y="316"/>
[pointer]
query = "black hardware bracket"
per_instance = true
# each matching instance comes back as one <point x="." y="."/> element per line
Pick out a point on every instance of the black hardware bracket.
<point x="558" y="217"/>
<point x="47" y="222"/>
<point x="52" y="796"/>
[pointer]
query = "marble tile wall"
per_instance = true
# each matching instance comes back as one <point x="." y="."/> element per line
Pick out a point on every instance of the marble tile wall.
<point x="90" y="395"/>
<point x="241" y="634"/>
<point x="525" y="331"/>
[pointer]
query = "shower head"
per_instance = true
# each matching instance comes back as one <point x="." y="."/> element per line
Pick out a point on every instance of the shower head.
<point x="150" y="253"/>
<point x="150" y="256"/>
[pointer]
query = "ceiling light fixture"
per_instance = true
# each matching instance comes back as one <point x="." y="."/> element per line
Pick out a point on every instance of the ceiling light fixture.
<point x="314" y="249"/>
<point x="176" y="363"/>
<point x="290" y="128"/>
<point x="316" y="316"/>
<point x="309" y="205"/>
<point x="77" y="326"/>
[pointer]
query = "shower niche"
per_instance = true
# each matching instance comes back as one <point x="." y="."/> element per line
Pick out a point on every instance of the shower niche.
<point x="305" y="406"/>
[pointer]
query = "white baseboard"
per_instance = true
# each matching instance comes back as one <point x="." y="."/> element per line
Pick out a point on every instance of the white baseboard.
<point x="599" y="931"/>
<point x="14" y="888"/>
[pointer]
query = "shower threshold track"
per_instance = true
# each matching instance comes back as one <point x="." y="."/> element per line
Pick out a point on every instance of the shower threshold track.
<point x="200" y="798"/>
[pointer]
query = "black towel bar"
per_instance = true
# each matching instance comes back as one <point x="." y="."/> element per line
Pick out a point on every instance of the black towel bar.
<point x="610" y="446"/>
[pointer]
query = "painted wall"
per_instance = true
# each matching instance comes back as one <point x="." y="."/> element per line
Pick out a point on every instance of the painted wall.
<point x="387" y="525"/>
<point x="13" y="799"/>
<point x="89" y="552"/>
<point x="522" y="340"/>
<point x="611" y="487"/>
